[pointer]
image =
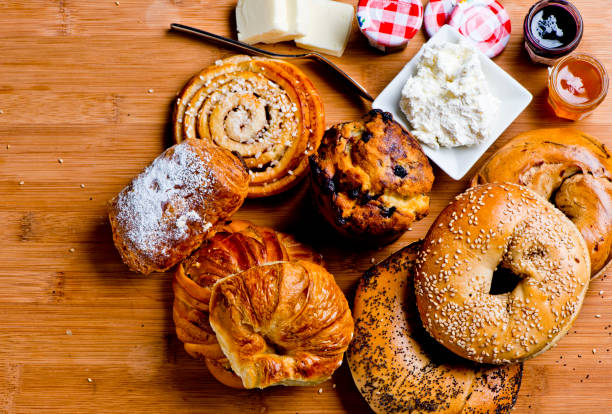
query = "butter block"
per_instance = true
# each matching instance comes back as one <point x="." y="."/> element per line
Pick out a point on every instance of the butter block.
<point x="269" y="21"/>
<point x="297" y="14"/>
<point x="328" y="27"/>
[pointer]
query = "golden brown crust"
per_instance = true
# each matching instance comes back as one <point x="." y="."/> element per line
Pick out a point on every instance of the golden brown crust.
<point x="167" y="210"/>
<point x="221" y="370"/>
<point x="285" y="323"/>
<point x="370" y="177"/>
<point x="399" y="368"/>
<point x="509" y="229"/>
<point x="571" y="169"/>
<point x="230" y="248"/>
<point x="266" y="110"/>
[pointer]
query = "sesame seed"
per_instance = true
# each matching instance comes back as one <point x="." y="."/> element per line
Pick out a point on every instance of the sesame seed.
<point x="21" y="182"/>
<point x="598" y="316"/>
<point x="82" y="186"/>
<point x="320" y="390"/>
<point x="61" y="161"/>
<point x="68" y="332"/>
<point x="151" y="90"/>
<point x="71" y="250"/>
<point x="89" y="380"/>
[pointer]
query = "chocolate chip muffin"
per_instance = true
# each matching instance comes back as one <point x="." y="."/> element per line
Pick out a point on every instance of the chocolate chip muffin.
<point x="370" y="178"/>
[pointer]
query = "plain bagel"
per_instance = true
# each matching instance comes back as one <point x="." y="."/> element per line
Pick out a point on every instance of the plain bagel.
<point x="509" y="228"/>
<point x="399" y="368"/>
<point x="571" y="169"/>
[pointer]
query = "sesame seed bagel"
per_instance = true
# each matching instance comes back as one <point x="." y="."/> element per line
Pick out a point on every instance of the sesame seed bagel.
<point x="399" y="368"/>
<point x="511" y="231"/>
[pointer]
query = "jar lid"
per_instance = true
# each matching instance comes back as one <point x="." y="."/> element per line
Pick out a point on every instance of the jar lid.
<point x="485" y="22"/>
<point x="437" y="13"/>
<point x="389" y="24"/>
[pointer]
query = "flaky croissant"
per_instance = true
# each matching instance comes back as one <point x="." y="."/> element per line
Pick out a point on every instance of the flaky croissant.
<point x="285" y="323"/>
<point x="232" y="248"/>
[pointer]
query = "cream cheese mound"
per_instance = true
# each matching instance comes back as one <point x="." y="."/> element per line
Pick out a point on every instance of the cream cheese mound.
<point x="448" y="101"/>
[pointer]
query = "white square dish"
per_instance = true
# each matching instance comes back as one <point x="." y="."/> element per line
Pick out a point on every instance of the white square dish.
<point x="457" y="161"/>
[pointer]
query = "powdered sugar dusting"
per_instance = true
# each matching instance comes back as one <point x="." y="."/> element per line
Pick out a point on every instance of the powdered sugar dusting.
<point x="158" y="208"/>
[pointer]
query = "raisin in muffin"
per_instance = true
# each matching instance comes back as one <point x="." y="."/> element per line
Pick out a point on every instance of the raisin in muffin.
<point x="370" y="178"/>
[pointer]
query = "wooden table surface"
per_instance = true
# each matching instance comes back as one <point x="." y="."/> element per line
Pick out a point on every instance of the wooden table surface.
<point x="90" y="83"/>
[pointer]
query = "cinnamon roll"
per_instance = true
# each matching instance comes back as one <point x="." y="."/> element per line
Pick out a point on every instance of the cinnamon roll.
<point x="265" y="110"/>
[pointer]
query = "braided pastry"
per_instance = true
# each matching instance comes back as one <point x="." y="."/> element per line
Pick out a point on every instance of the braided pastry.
<point x="232" y="248"/>
<point x="571" y="169"/>
<point x="285" y="323"/>
<point x="266" y="110"/>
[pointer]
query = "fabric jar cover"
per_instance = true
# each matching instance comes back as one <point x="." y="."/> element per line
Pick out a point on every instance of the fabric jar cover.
<point x="389" y="24"/>
<point x="437" y="13"/>
<point x="485" y="22"/>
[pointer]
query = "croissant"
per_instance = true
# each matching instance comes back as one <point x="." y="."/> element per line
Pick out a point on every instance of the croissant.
<point x="285" y="323"/>
<point x="167" y="210"/>
<point x="231" y="248"/>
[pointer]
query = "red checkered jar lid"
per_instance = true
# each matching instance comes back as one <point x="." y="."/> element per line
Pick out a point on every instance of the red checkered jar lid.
<point x="389" y="24"/>
<point x="437" y="13"/>
<point x="485" y="22"/>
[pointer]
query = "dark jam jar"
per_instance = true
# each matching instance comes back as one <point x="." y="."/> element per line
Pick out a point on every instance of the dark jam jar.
<point x="553" y="29"/>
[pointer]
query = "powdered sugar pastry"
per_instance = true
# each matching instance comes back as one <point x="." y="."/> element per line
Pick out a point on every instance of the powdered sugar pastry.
<point x="159" y="206"/>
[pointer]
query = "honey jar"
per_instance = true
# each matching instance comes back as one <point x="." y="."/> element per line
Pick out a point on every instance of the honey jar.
<point x="577" y="84"/>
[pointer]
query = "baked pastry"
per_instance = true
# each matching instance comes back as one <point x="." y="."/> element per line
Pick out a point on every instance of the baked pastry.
<point x="165" y="212"/>
<point x="502" y="274"/>
<point x="285" y="323"/>
<point x="266" y="110"/>
<point x="571" y="169"/>
<point x="399" y="368"/>
<point x="230" y="248"/>
<point x="370" y="177"/>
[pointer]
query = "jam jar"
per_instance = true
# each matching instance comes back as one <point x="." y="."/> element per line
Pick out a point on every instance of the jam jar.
<point x="577" y="84"/>
<point x="553" y="29"/>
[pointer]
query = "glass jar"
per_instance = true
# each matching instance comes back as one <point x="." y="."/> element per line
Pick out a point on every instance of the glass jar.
<point x="553" y="29"/>
<point x="577" y="84"/>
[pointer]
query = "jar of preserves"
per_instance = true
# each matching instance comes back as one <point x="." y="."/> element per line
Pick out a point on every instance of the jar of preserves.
<point x="553" y="29"/>
<point x="577" y="84"/>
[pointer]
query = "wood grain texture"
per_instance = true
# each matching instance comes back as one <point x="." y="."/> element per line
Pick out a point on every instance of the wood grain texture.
<point x="74" y="82"/>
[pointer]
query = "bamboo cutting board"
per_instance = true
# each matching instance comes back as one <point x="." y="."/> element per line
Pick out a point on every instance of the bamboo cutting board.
<point x="85" y="94"/>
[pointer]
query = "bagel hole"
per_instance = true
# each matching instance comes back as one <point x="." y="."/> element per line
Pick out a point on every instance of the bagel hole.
<point x="504" y="281"/>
